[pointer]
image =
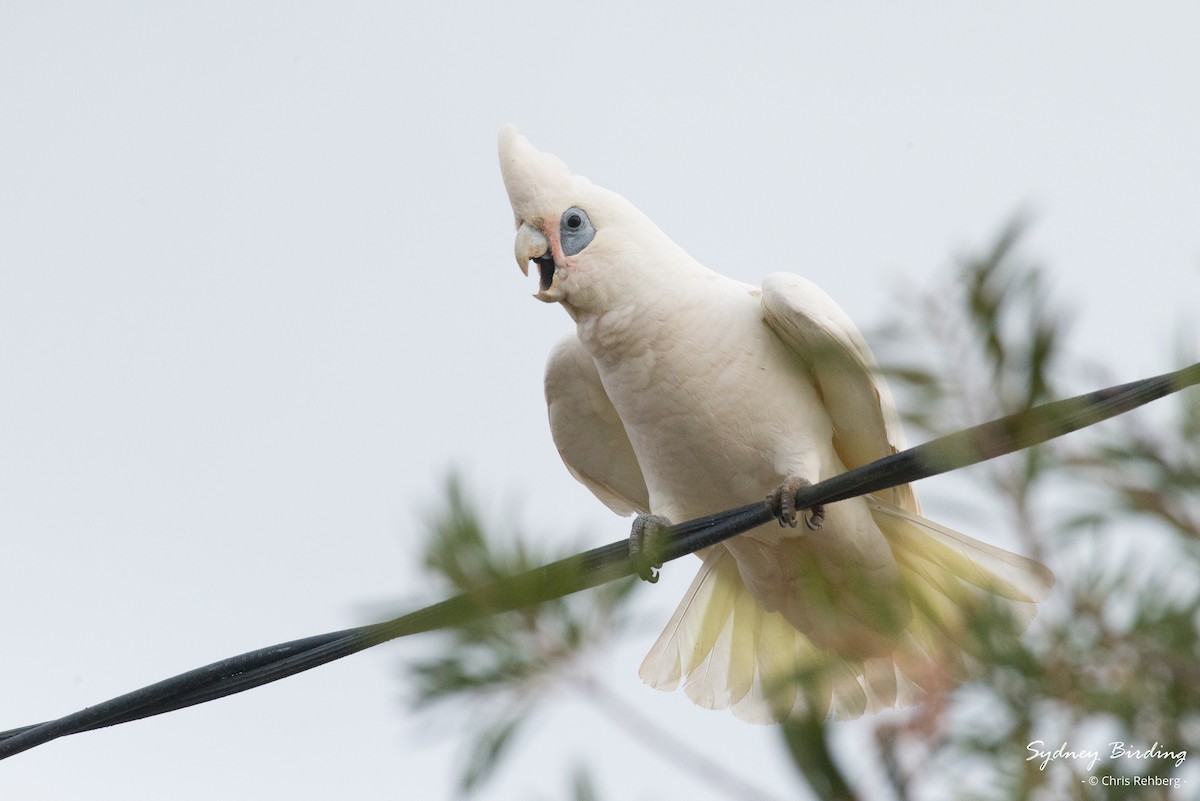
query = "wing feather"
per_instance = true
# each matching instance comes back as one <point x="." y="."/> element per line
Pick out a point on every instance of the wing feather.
<point x="865" y="421"/>
<point x="588" y="432"/>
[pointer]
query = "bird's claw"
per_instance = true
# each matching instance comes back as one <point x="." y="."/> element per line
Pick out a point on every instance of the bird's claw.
<point x="782" y="503"/>
<point x="645" y="544"/>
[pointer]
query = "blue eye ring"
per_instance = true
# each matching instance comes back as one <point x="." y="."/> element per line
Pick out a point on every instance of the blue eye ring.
<point x="575" y="231"/>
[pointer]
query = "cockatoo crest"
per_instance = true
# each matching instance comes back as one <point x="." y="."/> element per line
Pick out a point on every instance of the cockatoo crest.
<point x="537" y="182"/>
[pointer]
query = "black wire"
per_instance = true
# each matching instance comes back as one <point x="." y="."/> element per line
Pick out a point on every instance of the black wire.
<point x="604" y="564"/>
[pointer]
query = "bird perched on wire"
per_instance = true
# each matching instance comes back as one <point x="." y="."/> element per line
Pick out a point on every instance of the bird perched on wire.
<point x="682" y="393"/>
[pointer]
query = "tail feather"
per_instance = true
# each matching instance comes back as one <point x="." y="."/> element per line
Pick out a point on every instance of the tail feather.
<point x="744" y="630"/>
<point x="731" y="653"/>
<point x="949" y="553"/>
<point x="688" y="638"/>
<point x="881" y="683"/>
<point x="726" y="673"/>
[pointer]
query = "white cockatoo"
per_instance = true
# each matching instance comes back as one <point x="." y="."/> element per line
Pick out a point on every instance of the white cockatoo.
<point x="682" y="393"/>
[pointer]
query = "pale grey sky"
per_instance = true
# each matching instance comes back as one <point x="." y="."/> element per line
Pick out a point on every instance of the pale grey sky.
<point x="257" y="296"/>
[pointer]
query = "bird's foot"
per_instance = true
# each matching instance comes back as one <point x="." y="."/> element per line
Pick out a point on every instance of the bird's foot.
<point x="645" y="544"/>
<point x="782" y="503"/>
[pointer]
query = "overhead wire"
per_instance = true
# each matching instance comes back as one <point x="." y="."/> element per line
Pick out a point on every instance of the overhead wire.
<point x="591" y="568"/>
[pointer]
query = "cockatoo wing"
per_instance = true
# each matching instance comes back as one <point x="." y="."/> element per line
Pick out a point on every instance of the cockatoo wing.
<point x="588" y="432"/>
<point x="729" y="651"/>
<point x="865" y="422"/>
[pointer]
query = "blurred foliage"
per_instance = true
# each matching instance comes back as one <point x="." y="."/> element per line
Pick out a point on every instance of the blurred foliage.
<point x="503" y="668"/>
<point x="503" y="665"/>
<point x="1114" y="655"/>
<point x="807" y="740"/>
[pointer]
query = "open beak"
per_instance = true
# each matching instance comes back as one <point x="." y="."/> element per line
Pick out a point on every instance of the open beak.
<point x="531" y="245"/>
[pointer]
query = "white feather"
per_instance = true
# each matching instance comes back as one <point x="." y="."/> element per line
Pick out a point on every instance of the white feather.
<point x="684" y="393"/>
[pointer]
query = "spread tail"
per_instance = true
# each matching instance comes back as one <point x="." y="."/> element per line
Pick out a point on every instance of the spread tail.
<point x="729" y="652"/>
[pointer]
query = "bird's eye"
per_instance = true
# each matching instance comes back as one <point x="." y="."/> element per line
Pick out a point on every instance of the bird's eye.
<point x="575" y="231"/>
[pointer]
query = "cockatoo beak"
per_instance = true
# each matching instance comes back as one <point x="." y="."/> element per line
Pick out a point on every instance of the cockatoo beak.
<point x="532" y="245"/>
